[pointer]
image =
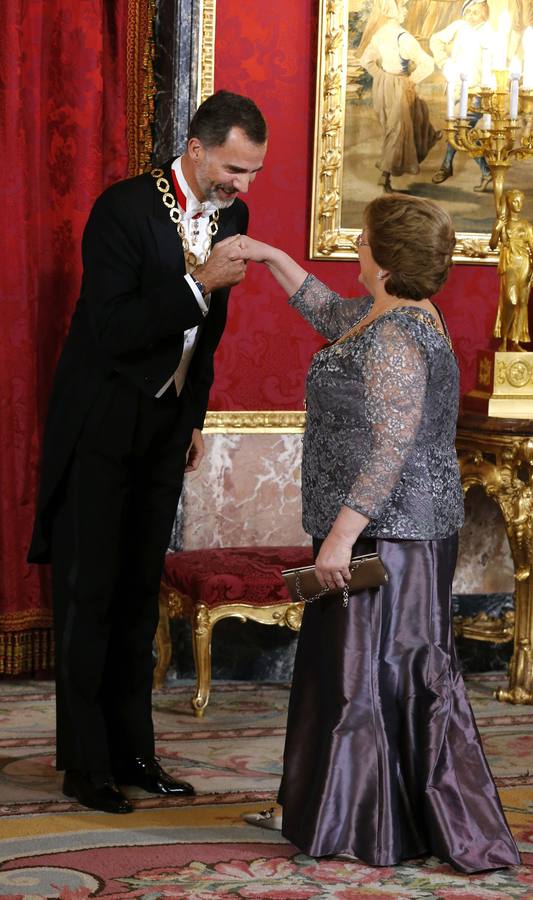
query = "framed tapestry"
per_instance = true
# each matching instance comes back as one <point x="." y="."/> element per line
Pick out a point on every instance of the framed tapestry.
<point x="377" y="58"/>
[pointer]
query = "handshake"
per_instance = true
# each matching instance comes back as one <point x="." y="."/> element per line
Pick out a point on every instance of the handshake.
<point x="226" y="265"/>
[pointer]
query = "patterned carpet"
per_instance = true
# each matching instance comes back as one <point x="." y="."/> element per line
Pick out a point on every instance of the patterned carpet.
<point x="51" y="848"/>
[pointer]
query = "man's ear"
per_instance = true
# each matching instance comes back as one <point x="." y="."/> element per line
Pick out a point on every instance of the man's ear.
<point x="195" y="148"/>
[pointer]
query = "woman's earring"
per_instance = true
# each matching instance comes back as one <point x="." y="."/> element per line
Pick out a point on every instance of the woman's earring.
<point x="381" y="274"/>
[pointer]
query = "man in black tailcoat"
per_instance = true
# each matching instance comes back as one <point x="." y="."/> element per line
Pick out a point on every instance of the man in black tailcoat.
<point x="124" y="424"/>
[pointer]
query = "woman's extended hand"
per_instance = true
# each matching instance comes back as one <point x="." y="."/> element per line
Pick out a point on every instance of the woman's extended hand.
<point x="285" y="270"/>
<point x="257" y="251"/>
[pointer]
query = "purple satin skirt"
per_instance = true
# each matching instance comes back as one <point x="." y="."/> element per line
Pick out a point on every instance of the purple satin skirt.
<point x="383" y="759"/>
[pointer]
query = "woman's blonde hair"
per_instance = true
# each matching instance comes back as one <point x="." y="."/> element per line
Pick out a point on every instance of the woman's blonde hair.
<point x="413" y="239"/>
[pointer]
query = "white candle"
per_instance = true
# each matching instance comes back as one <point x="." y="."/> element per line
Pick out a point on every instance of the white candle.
<point x="515" y="78"/>
<point x="502" y="39"/>
<point x="487" y="121"/>
<point x="450" y="74"/>
<point x="527" y="43"/>
<point x="463" y="99"/>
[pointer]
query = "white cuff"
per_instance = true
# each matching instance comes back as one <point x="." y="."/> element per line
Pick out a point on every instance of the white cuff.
<point x="199" y="299"/>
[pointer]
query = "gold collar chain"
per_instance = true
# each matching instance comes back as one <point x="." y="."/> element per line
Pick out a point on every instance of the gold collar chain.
<point x="412" y="311"/>
<point x="191" y="259"/>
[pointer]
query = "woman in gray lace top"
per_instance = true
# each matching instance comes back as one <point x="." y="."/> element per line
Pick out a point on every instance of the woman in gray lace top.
<point x="382" y="407"/>
<point x="382" y="757"/>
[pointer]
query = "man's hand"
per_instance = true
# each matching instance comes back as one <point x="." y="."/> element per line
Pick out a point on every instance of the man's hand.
<point x="225" y="266"/>
<point x="196" y="451"/>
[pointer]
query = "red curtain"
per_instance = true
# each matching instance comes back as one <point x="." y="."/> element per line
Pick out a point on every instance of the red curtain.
<point x="64" y="138"/>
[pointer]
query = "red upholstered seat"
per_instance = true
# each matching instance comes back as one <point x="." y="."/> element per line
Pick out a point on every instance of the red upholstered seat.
<point x="206" y="586"/>
<point x="227" y="575"/>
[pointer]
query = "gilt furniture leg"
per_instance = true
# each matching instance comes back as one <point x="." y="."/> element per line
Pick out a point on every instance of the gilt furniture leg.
<point x="202" y="628"/>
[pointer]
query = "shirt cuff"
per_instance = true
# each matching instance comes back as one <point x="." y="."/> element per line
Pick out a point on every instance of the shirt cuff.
<point x="199" y="299"/>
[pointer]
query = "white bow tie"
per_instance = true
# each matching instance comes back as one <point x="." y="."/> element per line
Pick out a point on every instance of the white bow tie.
<point x="203" y="209"/>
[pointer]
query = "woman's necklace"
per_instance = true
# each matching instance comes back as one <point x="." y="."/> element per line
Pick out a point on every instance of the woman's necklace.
<point x="352" y="332"/>
<point x="359" y="327"/>
<point x="191" y="259"/>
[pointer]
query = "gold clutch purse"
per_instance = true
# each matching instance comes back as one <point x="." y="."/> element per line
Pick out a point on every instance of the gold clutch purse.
<point x="366" y="572"/>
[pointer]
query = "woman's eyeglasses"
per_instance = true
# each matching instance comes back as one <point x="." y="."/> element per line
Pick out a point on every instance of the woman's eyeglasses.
<point x="359" y="242"/>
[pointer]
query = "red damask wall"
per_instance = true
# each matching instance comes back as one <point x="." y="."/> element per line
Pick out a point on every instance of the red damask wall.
<point x="268" y="51"/>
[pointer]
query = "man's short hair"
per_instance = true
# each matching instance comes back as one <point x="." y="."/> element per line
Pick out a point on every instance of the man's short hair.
<point x="223" y="111"/>
<point x="469" y="3"/>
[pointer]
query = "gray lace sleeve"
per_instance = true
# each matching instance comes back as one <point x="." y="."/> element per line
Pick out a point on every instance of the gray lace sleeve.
<point x="326" y="311"/>
<point x="394" y="377"/>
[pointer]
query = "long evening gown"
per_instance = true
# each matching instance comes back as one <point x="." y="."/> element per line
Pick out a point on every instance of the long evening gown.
<point x="383" y="759"/>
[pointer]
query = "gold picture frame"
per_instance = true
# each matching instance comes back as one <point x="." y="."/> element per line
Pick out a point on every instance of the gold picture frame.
<point x="348" y="135"/>
<point x="290" y="421"/>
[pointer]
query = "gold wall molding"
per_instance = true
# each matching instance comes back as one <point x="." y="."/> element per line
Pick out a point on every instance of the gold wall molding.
<point x="206" y="50"/>
<point x="255" y="421"/>
<point x="140" y="83"/>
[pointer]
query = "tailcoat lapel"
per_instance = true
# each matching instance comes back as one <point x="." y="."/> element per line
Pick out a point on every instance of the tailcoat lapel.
<point x="167" y="238"/>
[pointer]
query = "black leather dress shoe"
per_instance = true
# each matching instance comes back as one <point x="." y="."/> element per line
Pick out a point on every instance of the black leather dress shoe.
<point x="95" y="792"/>
<point x="146" y="773"/>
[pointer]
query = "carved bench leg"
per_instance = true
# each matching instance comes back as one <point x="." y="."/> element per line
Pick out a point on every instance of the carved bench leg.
<point x="201" y="644"/>
<point x="163" y="643"/>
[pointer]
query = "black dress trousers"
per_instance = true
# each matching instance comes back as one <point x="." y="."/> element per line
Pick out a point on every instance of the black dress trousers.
<point x="110" y="532"/>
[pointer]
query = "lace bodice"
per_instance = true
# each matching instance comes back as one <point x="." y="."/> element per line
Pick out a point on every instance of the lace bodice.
<point x="381" y="417"/>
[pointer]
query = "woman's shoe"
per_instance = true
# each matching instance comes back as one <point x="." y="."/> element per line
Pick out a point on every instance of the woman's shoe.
<point x="267" y="818"/>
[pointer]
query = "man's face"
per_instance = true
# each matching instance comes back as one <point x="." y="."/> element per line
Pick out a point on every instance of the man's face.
<point x="476" y="14"/>
<point x="223" y="172"/>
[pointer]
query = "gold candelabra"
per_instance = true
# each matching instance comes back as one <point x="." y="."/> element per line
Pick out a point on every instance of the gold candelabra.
<point x="502" y="134"/>
<point x="499" y="459"/>
<point x="501" y="139"/>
